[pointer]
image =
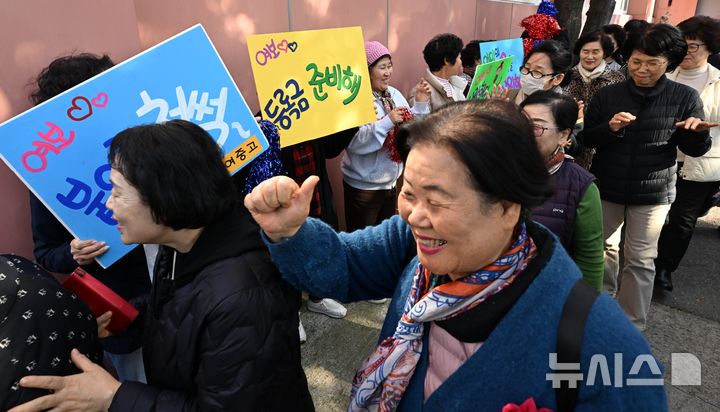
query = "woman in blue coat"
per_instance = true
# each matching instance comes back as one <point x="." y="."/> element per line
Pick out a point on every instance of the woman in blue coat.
<point x="477" y="289"/>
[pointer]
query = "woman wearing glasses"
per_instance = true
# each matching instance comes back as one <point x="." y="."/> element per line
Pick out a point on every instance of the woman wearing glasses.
<point x="636" y="127"/>
<point x="573" y="213"/>
<point x="699" y="177"/>
<point x="590" y="75"/>
<point x="544" y="69"/>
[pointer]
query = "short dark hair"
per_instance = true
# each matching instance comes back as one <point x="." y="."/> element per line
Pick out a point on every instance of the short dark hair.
<point x="559" y="55"/>
<point x="633" y="30"/>
<point x="495" y="143"/>
<point x="563" y="107"/>
<point x="470" y="53"/>
<point x="662" y="40"/>
<point x="635" y="26"/>
<point x="440" y="49"/>
<point x="597" y="36"/>
<point x="66" y="72"/>
<point x="178" y="170"/>
<point x="616" y="31"/>
<point x="703" y="28"/>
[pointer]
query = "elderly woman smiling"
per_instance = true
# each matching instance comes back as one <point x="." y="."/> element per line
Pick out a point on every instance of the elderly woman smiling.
<point x="220" y="324"/>
<point x="477" y="288"/>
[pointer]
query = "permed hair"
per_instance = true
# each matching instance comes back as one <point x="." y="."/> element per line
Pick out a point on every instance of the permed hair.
<point x="662" y="40"/>
<point x="441" y="49"/>
<point x="66" y="72"/>
<point x="703" y="28"/>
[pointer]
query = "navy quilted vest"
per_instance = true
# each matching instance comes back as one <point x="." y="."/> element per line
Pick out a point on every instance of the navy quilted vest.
<point x="558" y="213"/>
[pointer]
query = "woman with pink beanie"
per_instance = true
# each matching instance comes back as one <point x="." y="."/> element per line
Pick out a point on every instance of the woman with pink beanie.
<point x="371" y="165"/>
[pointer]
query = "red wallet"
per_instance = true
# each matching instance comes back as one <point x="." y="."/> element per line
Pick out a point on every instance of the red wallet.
<point x="101" y="299"/>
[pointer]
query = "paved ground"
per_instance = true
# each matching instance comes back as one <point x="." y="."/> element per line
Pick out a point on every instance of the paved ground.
<point x="686" y="321"/>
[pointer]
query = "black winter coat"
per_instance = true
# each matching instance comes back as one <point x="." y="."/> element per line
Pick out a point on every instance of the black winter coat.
<point x="221" y="329"/>
<point x="637" y="166"/>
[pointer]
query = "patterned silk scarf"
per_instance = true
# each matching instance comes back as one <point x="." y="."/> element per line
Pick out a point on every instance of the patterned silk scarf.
<point x="390" y="142"/>
<point x="381" y="382"/>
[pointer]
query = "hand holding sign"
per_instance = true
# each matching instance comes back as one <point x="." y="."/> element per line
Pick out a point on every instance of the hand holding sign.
<point x="85" y="251"/>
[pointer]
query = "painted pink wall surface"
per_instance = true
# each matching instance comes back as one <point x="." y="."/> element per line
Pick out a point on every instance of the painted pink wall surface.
<point x="641" y="9"/>
<point x="708" y="8"/>
<point x="675" y="13"/>
<point x="33" y="34"/>
<point x="404" y="26"/>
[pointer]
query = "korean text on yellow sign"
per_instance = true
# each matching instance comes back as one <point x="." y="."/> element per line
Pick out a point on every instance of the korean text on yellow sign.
<point x="312" y="83"/>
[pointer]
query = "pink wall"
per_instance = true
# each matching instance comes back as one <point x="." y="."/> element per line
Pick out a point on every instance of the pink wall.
<point x="35" y="32"/>
<point x="679" y="11"/>
<point x="708" y="8"/>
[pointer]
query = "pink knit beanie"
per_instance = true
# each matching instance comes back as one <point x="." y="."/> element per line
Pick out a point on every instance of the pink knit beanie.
<point x="374" y="50"/>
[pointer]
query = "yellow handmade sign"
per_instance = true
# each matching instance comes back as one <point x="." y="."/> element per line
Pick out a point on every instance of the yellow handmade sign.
<point x="312" y="83"/>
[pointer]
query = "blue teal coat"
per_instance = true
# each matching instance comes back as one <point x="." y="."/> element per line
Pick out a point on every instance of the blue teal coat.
<point x="512" y="364"/>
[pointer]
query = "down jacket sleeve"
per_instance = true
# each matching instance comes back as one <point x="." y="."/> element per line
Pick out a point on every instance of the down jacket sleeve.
<point x="245" y="360"/>
<point x="596" y="132"/>
<point x="52" y="240"/>
<point x="689" y="142"/>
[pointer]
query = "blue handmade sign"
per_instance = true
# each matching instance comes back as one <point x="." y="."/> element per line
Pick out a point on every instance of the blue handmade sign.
<point x="59" y="148"/>
<point x="496" y="50"/>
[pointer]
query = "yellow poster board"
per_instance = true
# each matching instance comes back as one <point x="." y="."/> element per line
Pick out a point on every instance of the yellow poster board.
<point x="312" y="83"/>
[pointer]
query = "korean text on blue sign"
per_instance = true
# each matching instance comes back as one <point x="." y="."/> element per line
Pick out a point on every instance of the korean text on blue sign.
<point x="59" y="148"/>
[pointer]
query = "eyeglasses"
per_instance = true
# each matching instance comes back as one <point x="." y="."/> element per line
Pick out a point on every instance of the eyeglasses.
<point x="693" y="47"/>
<point x="534" y="73"/>
<point x="539" y="130"/>
<point x="650" y="64"/>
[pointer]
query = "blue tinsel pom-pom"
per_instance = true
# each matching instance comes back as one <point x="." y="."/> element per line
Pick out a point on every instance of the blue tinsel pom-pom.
<point x="267" y="164"/>
<point x="548" y="8"/>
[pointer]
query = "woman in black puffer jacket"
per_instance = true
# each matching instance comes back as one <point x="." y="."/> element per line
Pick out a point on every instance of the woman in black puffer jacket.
<point x="636" y="127"/>
<point x="220" y="324"/>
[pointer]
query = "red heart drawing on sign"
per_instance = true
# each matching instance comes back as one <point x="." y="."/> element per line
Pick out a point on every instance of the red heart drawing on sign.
<point x="100" y="101"/>
<point x="283" y="45"/>
<point x="81" y="110"/>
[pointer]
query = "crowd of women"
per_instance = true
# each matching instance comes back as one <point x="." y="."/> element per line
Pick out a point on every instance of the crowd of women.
<point x="491" y="226"/>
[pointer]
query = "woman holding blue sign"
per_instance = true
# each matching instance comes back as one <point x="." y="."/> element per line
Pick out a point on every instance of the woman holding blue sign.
<point x="544" y="68"/>
<point x="58" y="251"/>
<point x="220" y="323"/>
